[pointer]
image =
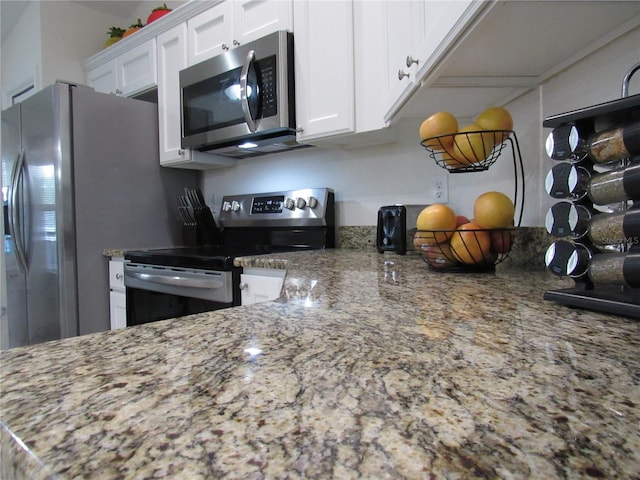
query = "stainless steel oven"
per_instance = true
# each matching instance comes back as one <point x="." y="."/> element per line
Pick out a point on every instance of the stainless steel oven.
<point x="174" y="282"/>
<point x="241" y="102"/>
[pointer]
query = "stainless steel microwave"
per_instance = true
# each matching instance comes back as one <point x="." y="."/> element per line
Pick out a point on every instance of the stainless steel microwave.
<point x="241" y="102"/>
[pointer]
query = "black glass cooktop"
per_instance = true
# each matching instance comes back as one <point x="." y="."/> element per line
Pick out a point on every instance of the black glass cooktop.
<point x="202" y="257"/>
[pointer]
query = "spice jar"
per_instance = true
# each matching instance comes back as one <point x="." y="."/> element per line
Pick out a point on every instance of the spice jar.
<point x="565" y="219"/>
<point x="615" y="186"/>
<point x="567" y="142"/>
<point x="618" y="228"/>
<point x="615" y="269"/>
<point x="567" y="259"/>
<point x="566" y="180"/>
<point x="615" y="144"/>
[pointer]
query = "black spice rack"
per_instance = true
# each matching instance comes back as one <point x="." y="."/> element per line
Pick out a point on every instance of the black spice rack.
<point x="599" y="245"/>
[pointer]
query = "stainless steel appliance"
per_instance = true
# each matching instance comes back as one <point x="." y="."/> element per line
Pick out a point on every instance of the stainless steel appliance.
<point x="169" y="283"/>
<point x="80" y="174"/>
<point x="241" y="103"/>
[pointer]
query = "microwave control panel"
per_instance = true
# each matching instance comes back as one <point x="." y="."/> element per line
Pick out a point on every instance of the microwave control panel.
<point x="268" y="92"/>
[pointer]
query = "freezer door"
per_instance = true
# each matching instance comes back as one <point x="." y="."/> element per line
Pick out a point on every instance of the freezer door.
<point x="14" y="328"/>
<point x="40" y="260"/>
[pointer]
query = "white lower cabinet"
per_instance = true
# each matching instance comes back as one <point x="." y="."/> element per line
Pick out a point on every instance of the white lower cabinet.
<point x="261" y="284"/>
<point x="117" y="295"/>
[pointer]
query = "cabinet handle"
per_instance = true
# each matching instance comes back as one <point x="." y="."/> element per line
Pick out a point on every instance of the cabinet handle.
<point x="299" y="129"/>
<point x="225" y="47"/>
<point x="401" y="74"/>
<point x="119" y="276"/>
<point x="181" y="152"/>
<point x="244" y="286"/>
<point x="118" y="91"/>
<point x="236" y="42"/>
<point x="411" y="61"/>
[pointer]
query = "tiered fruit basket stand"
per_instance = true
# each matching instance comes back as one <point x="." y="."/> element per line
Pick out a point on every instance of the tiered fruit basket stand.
<point x="476" y="249"/>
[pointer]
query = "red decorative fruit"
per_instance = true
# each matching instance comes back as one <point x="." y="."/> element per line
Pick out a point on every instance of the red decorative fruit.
<point x="158" y="13"/>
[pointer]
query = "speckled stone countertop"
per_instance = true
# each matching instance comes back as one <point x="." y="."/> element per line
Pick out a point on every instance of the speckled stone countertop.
<point x="368" y="366"/>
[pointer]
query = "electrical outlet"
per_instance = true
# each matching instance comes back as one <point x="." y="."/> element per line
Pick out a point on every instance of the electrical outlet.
<point x="439" y="188"/>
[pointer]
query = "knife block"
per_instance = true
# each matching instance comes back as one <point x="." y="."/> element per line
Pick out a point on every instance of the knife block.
<point x="190" y="235"/>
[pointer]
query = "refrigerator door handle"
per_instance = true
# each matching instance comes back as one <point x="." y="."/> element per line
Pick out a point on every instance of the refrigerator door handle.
<point x="15" y="218"/>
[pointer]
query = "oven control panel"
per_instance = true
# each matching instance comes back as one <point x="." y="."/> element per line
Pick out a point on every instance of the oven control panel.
<point x="292" y="208"/>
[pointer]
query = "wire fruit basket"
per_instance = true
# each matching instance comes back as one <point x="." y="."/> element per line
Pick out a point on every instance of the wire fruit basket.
<point x="470" y="151"/>
<point x="464" y="250"/>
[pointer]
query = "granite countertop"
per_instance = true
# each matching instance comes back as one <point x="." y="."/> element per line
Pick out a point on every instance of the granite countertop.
<point x="368" y="366"/>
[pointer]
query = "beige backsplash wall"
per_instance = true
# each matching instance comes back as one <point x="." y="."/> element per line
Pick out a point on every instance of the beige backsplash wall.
<point x="366" y="178"/>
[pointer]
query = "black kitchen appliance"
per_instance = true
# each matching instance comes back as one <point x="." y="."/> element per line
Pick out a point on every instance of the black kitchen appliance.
<point x="396" y="224"/>
<point x="597" y="219"/>
<point x="173" y="282"/>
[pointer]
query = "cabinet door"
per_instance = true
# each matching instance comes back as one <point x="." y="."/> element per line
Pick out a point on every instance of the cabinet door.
<point x="443" y="22"/>
<point x="259" y="288"/>
<point x="324" y="67"/>
<point x="172" y="57"/>
<point x="404" y="35"/>
<point x="136" y="69"/>
<point x="103" y="78"/>
<point x="253" y="19"/>
<point x="118" y="309"/>
<point x="210" y="33"/>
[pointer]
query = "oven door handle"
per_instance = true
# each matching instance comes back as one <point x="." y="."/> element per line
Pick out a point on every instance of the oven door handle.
<point x="176" y="280"/>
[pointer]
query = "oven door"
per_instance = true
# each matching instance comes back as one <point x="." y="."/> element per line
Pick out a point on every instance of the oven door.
<point x="158" y="293"/>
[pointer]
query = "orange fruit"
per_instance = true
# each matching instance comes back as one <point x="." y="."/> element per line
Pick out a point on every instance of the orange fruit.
<point x="436" y="217"/>
<point x="496" y="118"/>
<point x="470" y="244"/>
<point x="449" y="158"/>
<point x="441" y="123"/>
<point x="493" y="210"/>
<point x="472" y="147"/>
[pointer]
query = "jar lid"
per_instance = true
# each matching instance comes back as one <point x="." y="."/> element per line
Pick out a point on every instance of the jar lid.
<point x="565" y="180"/>
<point x="566" y="143"/>
<point x="566" y="258"/>
<point x="565" y="219"/>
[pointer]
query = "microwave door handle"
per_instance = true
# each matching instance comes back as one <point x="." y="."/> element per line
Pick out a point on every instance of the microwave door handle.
<point x="15" y="217"/>
<point x="244" y="101"/>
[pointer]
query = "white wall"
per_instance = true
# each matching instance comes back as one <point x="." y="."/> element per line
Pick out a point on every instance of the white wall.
<point x="145" y="8"/>
<point x="49" y="42"/>
<point x="21" y="54"/>
<point x="366" y="178"/>
<point x="66" y="44"/>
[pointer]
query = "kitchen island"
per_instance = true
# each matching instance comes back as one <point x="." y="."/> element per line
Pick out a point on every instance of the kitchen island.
<point x="368" y="366"/>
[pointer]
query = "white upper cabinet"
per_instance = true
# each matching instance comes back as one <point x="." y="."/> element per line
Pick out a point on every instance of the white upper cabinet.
<point x="128" y="74"/>
<point x="404" y="33"/>
<point x="414" y="51"/>
<point x="172" y="57"/>
<point x="235" y="22"/>
<point x="324" y="66"/>
<point x="210" y="33"/>
<point x="476" y="53"/>
<point x="340" y="70"/>
<point x="253" y="19"/>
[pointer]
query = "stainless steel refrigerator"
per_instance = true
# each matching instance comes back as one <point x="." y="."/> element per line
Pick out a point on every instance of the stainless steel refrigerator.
<point x="80" y="174"/>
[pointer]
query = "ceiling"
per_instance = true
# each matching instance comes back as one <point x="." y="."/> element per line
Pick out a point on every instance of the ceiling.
<point x="11" y="10"/>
